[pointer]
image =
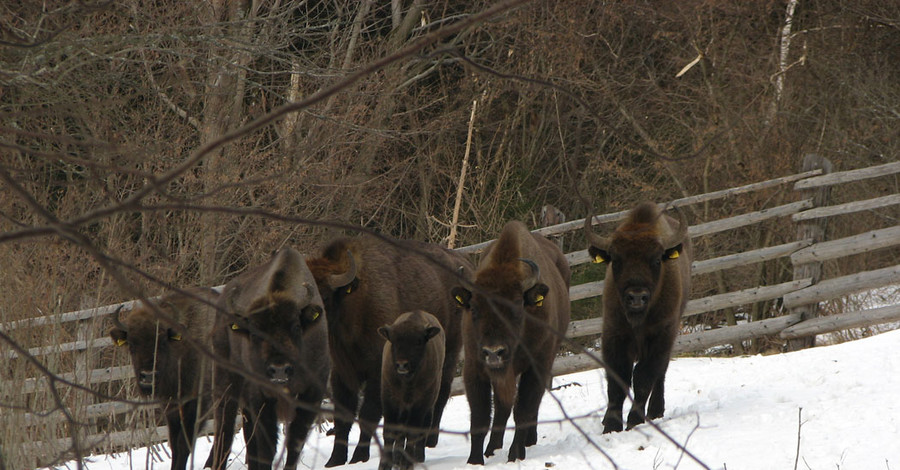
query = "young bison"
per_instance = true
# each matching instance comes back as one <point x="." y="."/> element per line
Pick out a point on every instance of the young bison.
<point x="162" y="340"/>
<point x="516" y="316"/>
<point x="410" y="382"/>
<point x="271" y="326"/>
<point x="648" y="281"/>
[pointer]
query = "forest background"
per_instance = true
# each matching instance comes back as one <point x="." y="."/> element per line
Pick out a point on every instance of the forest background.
<point x="146" y="145"/>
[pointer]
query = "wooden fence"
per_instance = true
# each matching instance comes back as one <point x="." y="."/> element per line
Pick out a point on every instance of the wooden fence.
<point x="96" y="365"/>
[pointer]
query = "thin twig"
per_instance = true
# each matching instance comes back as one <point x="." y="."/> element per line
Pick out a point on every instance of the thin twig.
<point x="799" y="425"/>
<point x="451" y="242"/>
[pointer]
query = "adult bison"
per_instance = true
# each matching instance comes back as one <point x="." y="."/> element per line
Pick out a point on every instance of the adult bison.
<point x="367" y="282"/>
<point x="163" y="341"/>
<point x="410" y="382"/>
<point x="648" y="282"/>
<point x="517" y="313"/>
<point x="271" y="330"/>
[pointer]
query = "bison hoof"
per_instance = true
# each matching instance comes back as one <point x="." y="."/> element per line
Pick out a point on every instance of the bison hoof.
<point x="612" y="427"/>
<point x="432" y="440"/>
<point x="491" y="447"/>
<point x="476" y="459"/>
<point x="634" y="419"/>
<point x="360" y="455"/>
<point x="334" y="461"/>
<point x="516" y="453"/>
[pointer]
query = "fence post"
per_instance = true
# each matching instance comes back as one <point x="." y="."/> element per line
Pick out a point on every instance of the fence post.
<point x="811" y="229"/>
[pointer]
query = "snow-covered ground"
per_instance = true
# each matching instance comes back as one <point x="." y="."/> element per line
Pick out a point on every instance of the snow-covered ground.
<point x="840" y="403"/>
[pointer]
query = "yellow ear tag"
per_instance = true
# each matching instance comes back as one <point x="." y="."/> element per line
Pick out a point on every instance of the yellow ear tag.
<point x="599" y="259"/>
<point x="121" y="342"/>
<point x="674" y="254"/>
<point x="539" y="301"/>
<point x="459" y="299"/>
<point x="235" y="327"/>
<point x="315" y="315"/>
<point x="175" y="337"/>
<point x="349" y="289"/>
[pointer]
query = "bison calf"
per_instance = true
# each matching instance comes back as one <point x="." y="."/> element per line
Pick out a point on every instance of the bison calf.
<point x="163" y="341"/>
<point x="516" y="315"/>
<point x="410" y="381"/>
<point x="648" y="282"/>
<point x="271" y="327"/>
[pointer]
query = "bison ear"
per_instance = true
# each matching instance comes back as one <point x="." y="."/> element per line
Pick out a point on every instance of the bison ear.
<point x="535" y="295"/>
<point x="385" y="332"/>
<point x="431" y="332"/>
<point x="119" y="336"/>
<point x="672" y="253"/>
<point x="174" y="335"/>
<point x="598" y="255"/>
<point x="462" y="296"/>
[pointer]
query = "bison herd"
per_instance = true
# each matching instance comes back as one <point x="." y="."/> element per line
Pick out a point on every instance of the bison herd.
<point x="377" y="325"/>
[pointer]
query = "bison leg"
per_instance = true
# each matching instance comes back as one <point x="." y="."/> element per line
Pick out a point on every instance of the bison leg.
<point x="618" y="380"/>
<point x="498" y="429"/>
<point x="647" y="373"/>
<point x="448" y="372"/>
<point x="391" y="436"/>
<point x="417" y="434"/>
<point x="181" y="432"/>
<point x="478" y="393"/>
<point x="296" y="434"/>
<point x="657" y="406"/>
<point x="369" y="416"/>
<point x="263" y="429"/>
<point x="438" y="412"/>
<point x="225" y="415"/>
<point x="531" y="390"/>
<point x="345" y="403"/>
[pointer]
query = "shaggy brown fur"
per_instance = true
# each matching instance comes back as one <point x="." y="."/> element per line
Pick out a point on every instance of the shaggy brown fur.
<point x="383" y="280"/>
<point x="162" y="340"/>
<point x="272" y="326"/>
<point x="648" y="282"/>
<point x="410" y="382"/>
<point x="516" y="316"/>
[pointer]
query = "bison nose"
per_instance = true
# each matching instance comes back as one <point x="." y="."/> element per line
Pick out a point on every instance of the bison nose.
<point x="402" y="367"/>
<point x="146" y="381"/>
<point x="146" y="377"/>
<point x="279" y="373"/>
<point x="494" y="355"/>
<point x="636" y="298"/>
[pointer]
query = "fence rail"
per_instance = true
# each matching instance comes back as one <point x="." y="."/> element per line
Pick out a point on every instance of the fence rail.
<point x="794" y="293"/>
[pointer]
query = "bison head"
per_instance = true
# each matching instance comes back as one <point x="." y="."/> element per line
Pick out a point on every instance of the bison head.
<point x="273" y="311"/>
<point x="408" y="337"/>
<point x="334" y="280"/>
<point x="504" y="295"/>
<point x="638" y="252"/>
<point x="153" y="347"/>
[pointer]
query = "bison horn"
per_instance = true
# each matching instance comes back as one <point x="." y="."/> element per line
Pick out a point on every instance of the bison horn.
<point x="681" y="235"/>
<point x="593" y="239"/>
<point x="115" y="319"/>
<point x="336" y="281"/>
<point x="532" y="278"/>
